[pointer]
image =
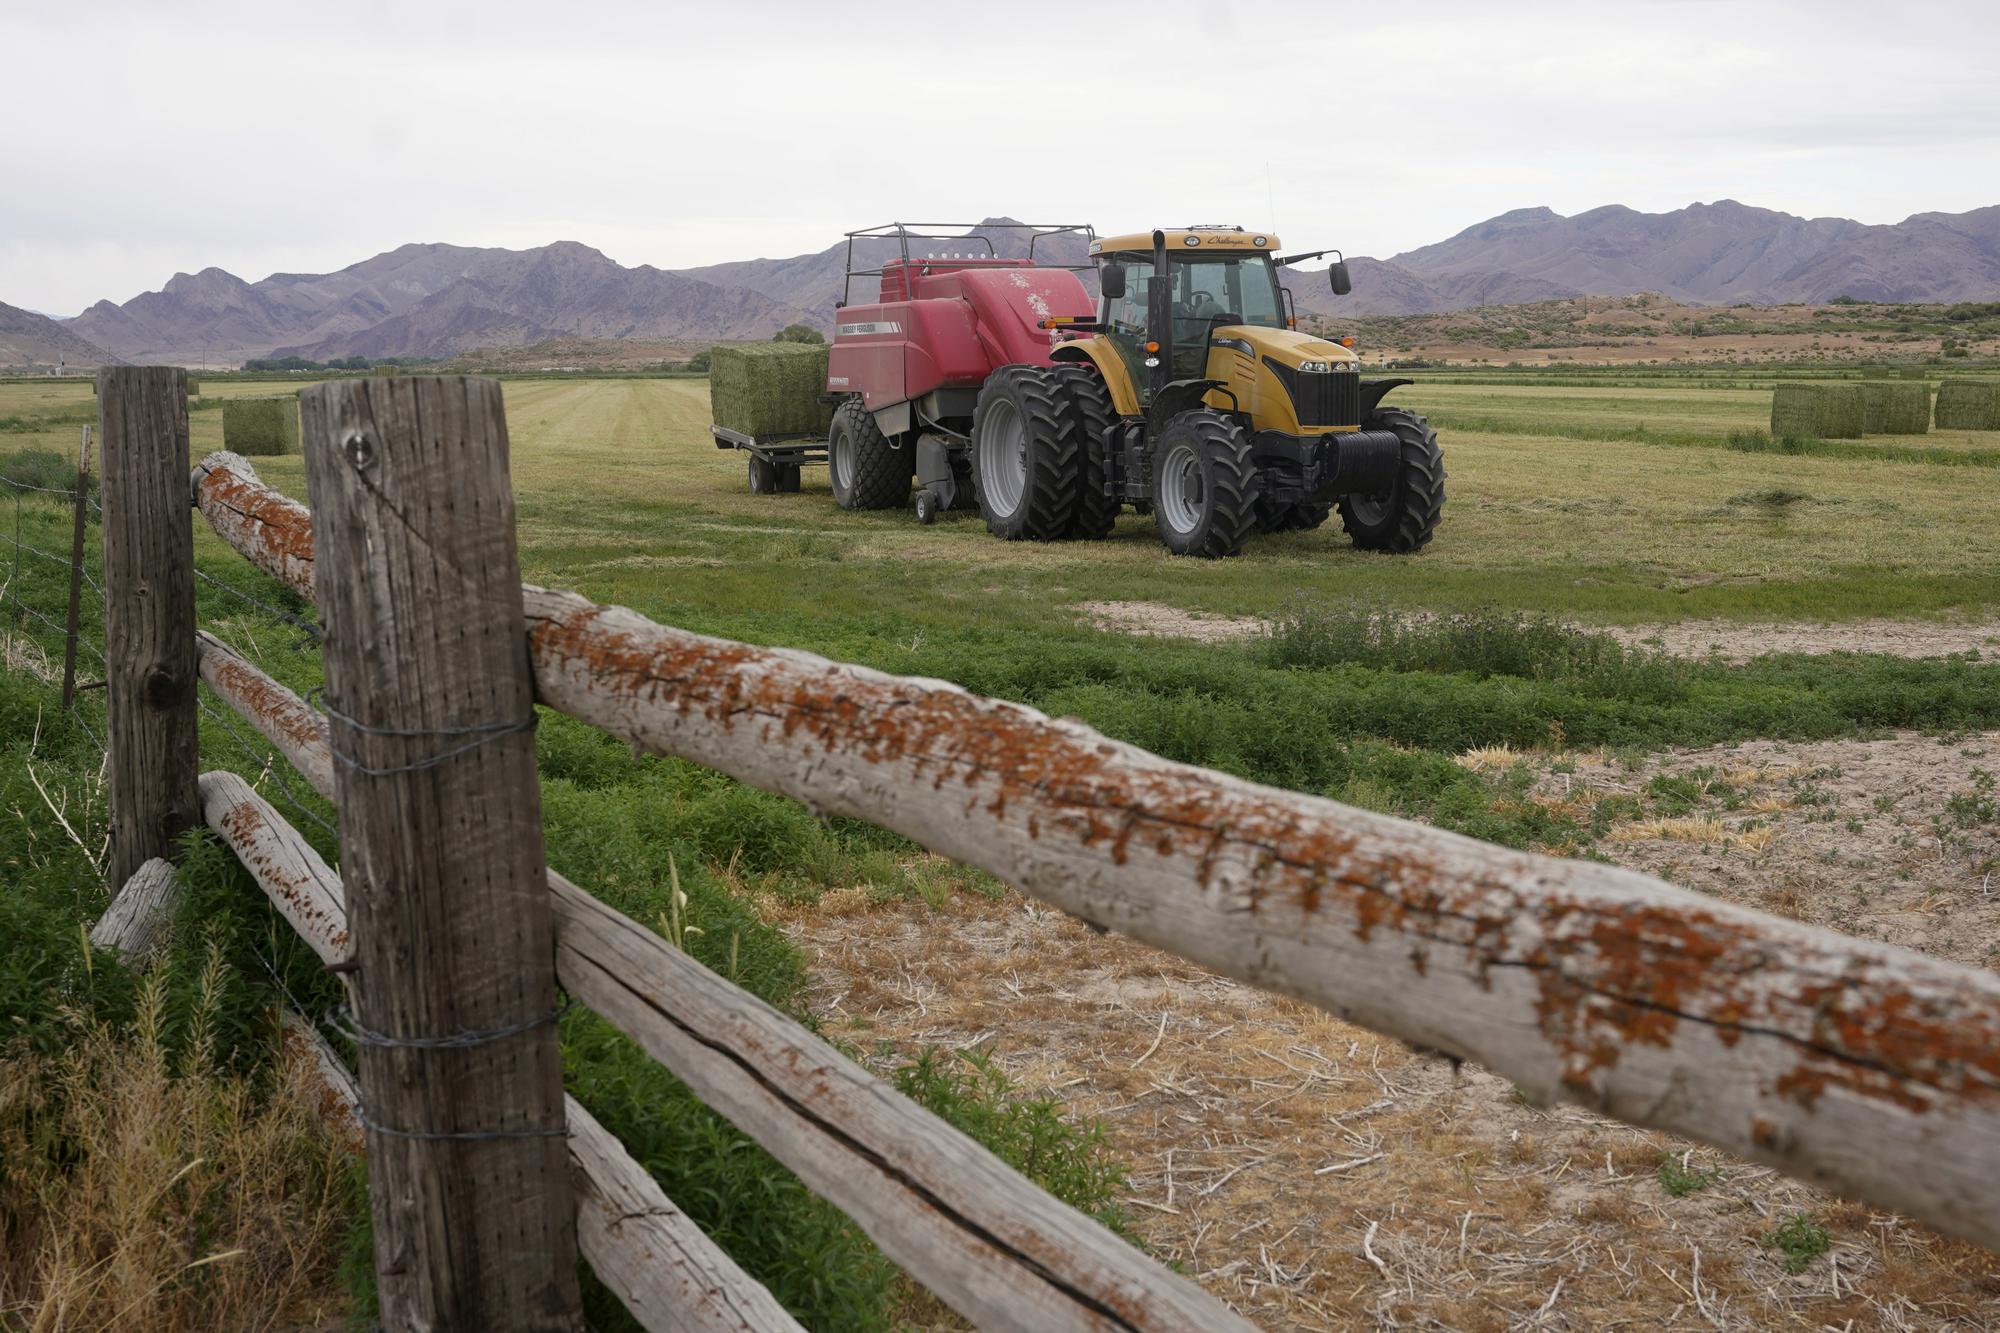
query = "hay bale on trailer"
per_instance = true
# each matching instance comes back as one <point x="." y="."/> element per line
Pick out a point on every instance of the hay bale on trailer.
<point x="1968" y="405"/>
<point x="1895" y="408"/>
<point x="1824" y="411"/>
<point x="769" y="389"/>
<point x="260" y="426"/>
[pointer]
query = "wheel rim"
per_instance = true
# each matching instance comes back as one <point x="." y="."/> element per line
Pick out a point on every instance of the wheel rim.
<point x="1183" y="489"/>
<point x="1372" y="510"/>
<point x="842" y="453"/>
<point x="1003" y="456"/>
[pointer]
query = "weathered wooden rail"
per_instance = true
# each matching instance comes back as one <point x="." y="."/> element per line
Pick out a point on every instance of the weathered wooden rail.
<point x="1867" y="1068"/>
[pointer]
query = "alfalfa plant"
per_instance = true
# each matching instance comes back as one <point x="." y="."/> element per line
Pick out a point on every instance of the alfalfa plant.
<point x="1800" y="1239"/>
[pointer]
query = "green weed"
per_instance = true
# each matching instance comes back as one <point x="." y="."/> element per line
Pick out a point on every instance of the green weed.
<point x="1801" y="1239"/>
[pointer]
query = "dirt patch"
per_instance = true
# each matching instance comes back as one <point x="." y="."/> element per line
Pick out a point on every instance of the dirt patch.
<point x="1735" y="641"/>
<point x="1318" y="1176"/>
<point x="1156" y="620"/>
<point x="1730" y="640"/>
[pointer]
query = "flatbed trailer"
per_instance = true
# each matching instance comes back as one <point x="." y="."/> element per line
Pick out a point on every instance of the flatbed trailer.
<point x="775" y="460"/>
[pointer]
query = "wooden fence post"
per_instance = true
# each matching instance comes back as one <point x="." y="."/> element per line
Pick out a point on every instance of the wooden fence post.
<point x="430" y="706"/>
<point x="149" y="648"/>
<point x="82" y="509"/>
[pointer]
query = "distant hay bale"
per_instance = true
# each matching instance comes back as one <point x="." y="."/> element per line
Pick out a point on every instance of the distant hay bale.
<point x="1825" y="411"/>
<point x="1914" y="373"/>
<point x="771" y="388"/>
<point x="1968" y="405"/>
<point x="253" y="426"/>
<point x="1895" y="408"/>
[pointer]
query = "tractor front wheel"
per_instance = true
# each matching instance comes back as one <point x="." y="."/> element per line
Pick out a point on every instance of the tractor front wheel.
<point x="1025" y="461"/>
<point x="1204" y="485"/>
<point x="1402" y="518"/>
<point x="867" y="470"/>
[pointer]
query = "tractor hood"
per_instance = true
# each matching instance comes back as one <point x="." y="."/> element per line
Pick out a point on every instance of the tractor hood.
<point x="1286" y="380"/>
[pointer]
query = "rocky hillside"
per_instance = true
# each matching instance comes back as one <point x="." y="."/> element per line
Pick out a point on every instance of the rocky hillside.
<point x="1723" y="253"/>
<point x="35" y="341"/>
<point x="424" y="300"/>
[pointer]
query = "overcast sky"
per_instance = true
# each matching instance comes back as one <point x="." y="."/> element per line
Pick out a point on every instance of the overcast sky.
<point x="143" y="139"/>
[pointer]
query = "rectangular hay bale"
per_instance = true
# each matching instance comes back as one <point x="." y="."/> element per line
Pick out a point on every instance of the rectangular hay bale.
<point x="1823" y="411"/>
<point x="260" y="426"/>
<point x="766" y="389"/>
<point x="1968" y="405"/>
<point x="1896" y="408"/>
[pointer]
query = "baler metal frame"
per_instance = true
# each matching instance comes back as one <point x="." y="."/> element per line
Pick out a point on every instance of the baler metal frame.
<point x="905" y="232"/>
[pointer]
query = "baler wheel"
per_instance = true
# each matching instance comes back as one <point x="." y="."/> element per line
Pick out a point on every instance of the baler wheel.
<point x="1402" y="518"/>
<point x="1088" y="403"/>
<point x="1204" y="485"/>
<point x="867" y="470"/>
<point x="1024" y="456"/>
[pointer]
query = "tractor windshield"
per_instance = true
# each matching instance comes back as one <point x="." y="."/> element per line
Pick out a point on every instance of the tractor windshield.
<point x="1204" y="290"/>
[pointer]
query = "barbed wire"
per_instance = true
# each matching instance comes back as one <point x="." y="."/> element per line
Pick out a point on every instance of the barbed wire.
<point x="20" y="485"/>
<point x="307" y="627"/>
<point x="268" y="762"/>
<point x="55" y="559"/>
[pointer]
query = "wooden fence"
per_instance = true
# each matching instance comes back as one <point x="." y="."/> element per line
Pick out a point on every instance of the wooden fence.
<point x="1869" y="1069"/>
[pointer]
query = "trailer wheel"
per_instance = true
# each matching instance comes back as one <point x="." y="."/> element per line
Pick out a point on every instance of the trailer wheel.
<point x="868" y="472"/>
<point x="1024" y="456"/>
<point x="1402" y="518"/>
<point x="763" y="476"/>
<point x="1204" y="485"/>
<point x="1089" y="404"/>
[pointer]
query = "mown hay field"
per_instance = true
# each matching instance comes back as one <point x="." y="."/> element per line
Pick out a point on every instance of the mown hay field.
<point x="1261" y="1139"/>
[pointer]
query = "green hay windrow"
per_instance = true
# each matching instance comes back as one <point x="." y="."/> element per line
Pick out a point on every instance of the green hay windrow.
<point x="1968" y="405"/>
<point x="1896" y="408"/>
<point x="1827" y="411"/>
<point x="766" y="389"/>
<point x="254" y="426"/>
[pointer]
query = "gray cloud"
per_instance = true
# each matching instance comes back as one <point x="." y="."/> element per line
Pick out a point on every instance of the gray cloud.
<point x="260" y="138"/>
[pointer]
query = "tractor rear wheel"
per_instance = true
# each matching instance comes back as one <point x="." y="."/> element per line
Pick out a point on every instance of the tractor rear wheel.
<point x="1088" y="403"/>
<point x="1402" y="518"/>
<point x="868" y="471"/>
<point x="1024" y="456"/>
<point x="1204" y="484"/>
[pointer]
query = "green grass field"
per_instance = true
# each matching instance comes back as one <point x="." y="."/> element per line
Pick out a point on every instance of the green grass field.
<point x="1560" y="513"/>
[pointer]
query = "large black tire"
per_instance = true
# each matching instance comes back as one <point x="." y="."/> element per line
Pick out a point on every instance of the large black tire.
<point x="1024" y="456"/>
<point x="763" y="476"/>
<point x="1292" y="516"/>
<point x="1401" y="519"/>
<point x="1204" y="484"/>
<point x="867" y="470"/>
<point x="1088" y="404"/>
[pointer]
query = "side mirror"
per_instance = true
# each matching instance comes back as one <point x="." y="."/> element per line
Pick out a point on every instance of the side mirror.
<point x="1336" y="274"/>
<point x="1111" y="281"/>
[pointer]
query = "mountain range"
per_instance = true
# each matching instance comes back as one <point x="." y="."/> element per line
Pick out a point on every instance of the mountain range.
<point x="436" y="300"/>
<point x="28" y="338"/>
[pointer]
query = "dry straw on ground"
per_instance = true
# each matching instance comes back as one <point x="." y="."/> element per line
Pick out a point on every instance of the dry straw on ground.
<point x="148" y="1192"/>
<point x="765" y="389"/>
<point x="261" y="426"/>
<point x="1968" y="405"/>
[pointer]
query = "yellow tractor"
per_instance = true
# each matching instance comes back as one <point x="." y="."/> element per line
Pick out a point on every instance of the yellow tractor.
<point x="1192" y="395"/>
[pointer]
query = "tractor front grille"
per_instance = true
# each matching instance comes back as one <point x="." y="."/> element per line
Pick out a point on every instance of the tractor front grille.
<point x="1321" y="398"/>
